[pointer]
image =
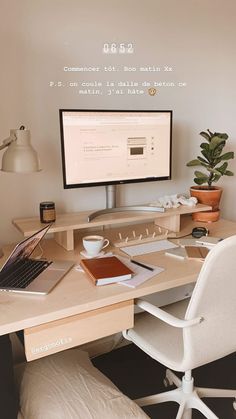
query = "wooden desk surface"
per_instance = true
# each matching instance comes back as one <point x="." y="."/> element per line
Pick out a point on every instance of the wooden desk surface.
<point x="76" y="294"/>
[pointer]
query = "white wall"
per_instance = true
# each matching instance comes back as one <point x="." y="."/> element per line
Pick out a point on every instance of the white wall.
<point x="38" y="38"/>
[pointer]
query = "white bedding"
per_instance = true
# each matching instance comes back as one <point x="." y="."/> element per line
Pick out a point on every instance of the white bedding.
<point x="67" y="386"/>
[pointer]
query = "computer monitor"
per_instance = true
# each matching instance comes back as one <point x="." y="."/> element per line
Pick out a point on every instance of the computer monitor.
<point x="109" y="147"/>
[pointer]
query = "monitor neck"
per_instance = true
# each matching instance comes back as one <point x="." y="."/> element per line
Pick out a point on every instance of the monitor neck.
<point x="110" y="196"/>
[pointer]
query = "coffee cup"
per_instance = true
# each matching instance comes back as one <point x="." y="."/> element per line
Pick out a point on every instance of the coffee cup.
<point x="94" y="244"/>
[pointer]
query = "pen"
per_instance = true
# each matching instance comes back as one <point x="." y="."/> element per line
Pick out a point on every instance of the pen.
<point x="142" y="265"/>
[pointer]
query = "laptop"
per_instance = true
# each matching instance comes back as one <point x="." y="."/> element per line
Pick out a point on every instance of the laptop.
<point x="23" y="274"/>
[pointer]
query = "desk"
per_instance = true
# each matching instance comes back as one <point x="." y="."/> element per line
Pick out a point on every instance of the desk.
<point x="76" y="305"/>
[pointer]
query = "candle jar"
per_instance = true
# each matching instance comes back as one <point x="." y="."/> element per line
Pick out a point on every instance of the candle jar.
<point x="47" y="212"/>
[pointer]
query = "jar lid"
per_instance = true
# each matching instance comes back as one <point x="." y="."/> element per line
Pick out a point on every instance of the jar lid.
<point x="47" y="204"/>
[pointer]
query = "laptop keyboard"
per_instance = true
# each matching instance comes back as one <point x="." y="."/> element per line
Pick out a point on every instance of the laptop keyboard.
<point x="20" y="274"/>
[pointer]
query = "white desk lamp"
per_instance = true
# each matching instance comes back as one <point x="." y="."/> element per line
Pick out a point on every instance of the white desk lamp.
<point x="20" y="157"/>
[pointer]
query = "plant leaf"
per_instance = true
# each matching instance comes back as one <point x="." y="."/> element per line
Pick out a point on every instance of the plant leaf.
<point x="200" y="174"/>
<point x="211" y="133"/>
<point x="199" y="181"/>
<point x="217" y="160"/>
<point x="205" y="146"/>
<point x="215" y="142"/>
<point x="227" y="156"/>
<point x="222" y="168"/>
<point x="202" y="160"/>
<point x="218" y="150"/>
<point x="205" y="135"/>
<point x="216" y="178"/>
<point x="229" y="173"/>
<point x="194" y="162"/>
<point x="215" y="171"/>
<point x="222" y="135"/>
<point x="207" y="155"/>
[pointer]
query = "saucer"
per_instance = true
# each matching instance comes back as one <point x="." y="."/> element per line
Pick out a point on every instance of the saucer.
<point x="87" y="256"/>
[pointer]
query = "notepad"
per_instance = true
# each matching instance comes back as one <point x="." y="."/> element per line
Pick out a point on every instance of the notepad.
<point x="141" y="274"/>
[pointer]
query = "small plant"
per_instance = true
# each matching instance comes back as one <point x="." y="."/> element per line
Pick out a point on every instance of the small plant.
<point x="213" y="160"/>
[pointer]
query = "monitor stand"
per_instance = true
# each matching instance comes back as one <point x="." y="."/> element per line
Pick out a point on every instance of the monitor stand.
<point x="111" y="205"/>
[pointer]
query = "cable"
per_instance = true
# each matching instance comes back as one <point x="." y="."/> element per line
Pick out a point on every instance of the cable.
<point x="180" y="237"/>
<point x="41" y="252"/>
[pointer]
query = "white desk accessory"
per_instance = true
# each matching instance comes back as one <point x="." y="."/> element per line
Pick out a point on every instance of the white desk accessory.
<point x="208" y="241"/>
<point x="146" y="236"/>
<point x="174" y="201"/>
<point x="142" y="249"/>
<point x="86" y="255"/>
<point x="142" y="274"/>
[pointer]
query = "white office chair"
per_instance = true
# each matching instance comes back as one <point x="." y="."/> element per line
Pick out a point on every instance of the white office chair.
<point x="206" y="332"/>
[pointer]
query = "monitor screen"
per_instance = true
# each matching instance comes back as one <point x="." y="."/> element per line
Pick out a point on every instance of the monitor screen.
<point x="113" y="147"/>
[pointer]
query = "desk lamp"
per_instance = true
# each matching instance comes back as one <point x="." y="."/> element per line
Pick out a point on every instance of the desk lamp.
<point x="20" y="157"/>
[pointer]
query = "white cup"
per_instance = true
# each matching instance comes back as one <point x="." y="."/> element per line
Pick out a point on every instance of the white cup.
<point x="94" y="244"/>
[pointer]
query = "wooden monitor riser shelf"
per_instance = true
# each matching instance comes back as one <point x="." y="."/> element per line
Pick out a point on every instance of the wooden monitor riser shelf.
<point x="66" y="224"/>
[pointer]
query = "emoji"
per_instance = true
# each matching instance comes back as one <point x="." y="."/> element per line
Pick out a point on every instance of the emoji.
<point x="152" y="91"/>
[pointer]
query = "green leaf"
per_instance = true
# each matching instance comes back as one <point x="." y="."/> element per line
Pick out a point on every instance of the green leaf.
<point x="200" y="174"/>
<point x="202" y="160"/>
<point x="221" y="135"/>
<point x="217" y="177"/>
<point x="218" y="150"/>
<point x="215" y="142"/>
<point x="229" y="173"/>
<point x="205" y="135"/>
<point x="194" y="163"/>
<point x="205" y="146"/>
<point x="227" y="156"/>
<point x="222" y="168"/>
<point x="207" y="155"/>
<point x="215" y="171"/>
<point x="217" y="160"/>
<point x="211" y="133"/>
<point x="200" y="181"/>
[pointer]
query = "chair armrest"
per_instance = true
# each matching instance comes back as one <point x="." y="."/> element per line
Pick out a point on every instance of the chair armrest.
<point x="166" y="317"/>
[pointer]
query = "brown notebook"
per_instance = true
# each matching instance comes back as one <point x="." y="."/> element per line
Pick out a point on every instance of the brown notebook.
<point x="196" y="252"/>
<point x="106" y="270"/>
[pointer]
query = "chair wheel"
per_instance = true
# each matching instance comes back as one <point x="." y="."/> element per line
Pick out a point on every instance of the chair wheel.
<point x="234" y="404"/>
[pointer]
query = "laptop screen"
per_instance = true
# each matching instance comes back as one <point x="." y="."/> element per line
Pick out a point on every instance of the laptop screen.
<point x="24" y="249"/>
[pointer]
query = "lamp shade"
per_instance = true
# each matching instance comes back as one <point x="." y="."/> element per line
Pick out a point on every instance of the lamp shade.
<point x="20" y="156"/>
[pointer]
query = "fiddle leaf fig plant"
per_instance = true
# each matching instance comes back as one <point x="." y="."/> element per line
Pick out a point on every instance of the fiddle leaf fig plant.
<point x="212" y="160"/>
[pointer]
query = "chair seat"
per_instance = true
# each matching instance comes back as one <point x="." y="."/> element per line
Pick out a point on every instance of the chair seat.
<point x="162" y="342"/>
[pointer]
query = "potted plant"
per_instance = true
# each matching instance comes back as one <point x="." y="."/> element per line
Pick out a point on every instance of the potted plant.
<point x="215" y="163"/>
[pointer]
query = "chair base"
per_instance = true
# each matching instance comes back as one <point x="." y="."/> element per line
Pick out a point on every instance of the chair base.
<point x="187" y="396"/>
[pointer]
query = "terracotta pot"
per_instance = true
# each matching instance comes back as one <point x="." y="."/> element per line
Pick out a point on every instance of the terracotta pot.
<point x="208" y="197"/>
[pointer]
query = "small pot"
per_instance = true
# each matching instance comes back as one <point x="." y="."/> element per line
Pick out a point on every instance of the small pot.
<point x="210" y="197"/>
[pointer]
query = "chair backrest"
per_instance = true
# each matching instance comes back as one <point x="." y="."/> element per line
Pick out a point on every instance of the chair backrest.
<point x="213" y="298"/>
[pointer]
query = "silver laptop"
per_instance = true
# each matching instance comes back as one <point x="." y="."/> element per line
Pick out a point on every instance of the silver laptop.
<point x="20" y="273"/>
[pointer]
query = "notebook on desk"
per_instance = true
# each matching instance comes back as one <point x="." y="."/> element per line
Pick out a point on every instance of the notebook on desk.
<point x="23" y="274"/>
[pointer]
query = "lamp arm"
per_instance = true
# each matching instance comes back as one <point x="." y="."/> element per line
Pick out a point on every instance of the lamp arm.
<point x="166" y="317"/>
<point x="7" y="142"/>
